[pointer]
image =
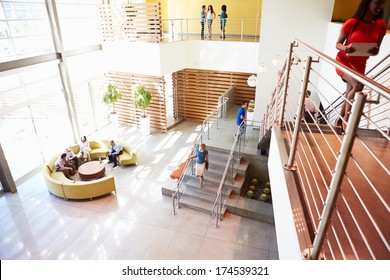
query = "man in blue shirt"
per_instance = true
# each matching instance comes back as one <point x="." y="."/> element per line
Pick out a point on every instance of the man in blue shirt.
<point x="241" y="113"/>
<point x="114" y="152"/>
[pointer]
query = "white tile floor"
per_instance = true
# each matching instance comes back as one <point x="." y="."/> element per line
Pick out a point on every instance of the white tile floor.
<point x="135" y="223"/>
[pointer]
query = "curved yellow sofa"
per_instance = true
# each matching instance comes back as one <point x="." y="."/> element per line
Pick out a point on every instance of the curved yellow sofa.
<point x="61" y="186"/>
<point x="99" y="149"/>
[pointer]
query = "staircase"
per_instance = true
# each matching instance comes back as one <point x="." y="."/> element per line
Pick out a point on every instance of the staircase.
<point x="203" y="199"/>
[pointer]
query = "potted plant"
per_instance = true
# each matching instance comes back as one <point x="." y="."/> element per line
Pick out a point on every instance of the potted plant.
<point x="110" y="96"/>
<point x="141" y="100"/>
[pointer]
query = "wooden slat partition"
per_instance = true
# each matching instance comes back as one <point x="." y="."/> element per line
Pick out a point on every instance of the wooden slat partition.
<point x="197" y="91"/>
<point x="128" y="114"/>
<point x="136" y="22"/>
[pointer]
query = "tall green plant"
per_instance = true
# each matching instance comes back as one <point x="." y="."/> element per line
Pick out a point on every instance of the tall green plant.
<point x="141" y="98"/>
<point x="111" y="95"/>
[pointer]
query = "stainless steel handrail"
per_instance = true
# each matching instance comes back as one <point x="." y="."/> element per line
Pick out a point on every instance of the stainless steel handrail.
<point x="319" y="155"/>
<point x="216" y="210"/>
<point x="218" y="112"/>
<point x="356" y="75"/>
<point x="239" y="28"/>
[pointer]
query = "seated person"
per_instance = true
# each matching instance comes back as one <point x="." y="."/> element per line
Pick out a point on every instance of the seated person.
<point x="85" y="149"/>
<point x="114" y="152"/>
<point x="72" y="158"/>
<point x="61" y="164"/>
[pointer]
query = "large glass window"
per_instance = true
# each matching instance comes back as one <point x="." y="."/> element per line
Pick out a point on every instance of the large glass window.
<point x="86" y="73"/>
<point x="80" y="22"/>
<point x="24" y="29"/>
<point x="33" y="120"/>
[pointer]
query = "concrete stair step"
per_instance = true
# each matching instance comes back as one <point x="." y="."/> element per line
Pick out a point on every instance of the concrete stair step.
<point x="199" y="205"/>
<point x="207" y="187"/>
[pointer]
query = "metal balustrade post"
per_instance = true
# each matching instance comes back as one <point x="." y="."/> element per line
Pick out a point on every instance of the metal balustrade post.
<point x="187" y="28"/>
<point x="288" y="69"/>
<point x="299" y="114"/>
<point x="173" y="204"/>
<point x="337" y="179"/>
<point x="181" y="29"/>
<point x="208" y="128"/>
<point x="173" y="32"/>
<point x="242" y="29"/>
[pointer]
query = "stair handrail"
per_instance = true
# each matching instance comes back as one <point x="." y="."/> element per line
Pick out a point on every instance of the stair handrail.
<point x="219" y="111"/>
<point x="338" y="101"/>
<point x="216" y="210"/>
<point x="344" y="154"/>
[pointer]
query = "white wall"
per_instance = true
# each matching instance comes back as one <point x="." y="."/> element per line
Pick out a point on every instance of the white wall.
<point x="140" y="58"/>
<point x="163" y="59"/>
<point x="283" y="21"/>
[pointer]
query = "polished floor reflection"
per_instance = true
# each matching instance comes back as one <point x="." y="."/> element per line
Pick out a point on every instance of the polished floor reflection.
<point x="134" y="223"/>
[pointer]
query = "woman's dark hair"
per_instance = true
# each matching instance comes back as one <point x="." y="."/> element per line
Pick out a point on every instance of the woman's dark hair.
<point x="362" y="9"/>
<point x="210" y="8"/>
<point x="223" y="8"/>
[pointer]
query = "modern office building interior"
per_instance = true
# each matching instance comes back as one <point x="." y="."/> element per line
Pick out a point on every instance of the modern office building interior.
<point x="320" y="193"/>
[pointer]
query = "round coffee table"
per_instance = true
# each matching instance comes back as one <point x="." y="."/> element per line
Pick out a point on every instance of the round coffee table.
<point x="91" y="170"/>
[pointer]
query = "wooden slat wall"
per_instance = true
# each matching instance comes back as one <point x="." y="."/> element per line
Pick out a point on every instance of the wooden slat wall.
<point x="136" y="22"/>
<point x="128" y="114"/>
<point x="197" y="91"/>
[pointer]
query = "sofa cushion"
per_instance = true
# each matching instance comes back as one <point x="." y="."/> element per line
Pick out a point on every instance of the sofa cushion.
<point x="59" y="176"/>
<point x="94" y="145"/>
<point x="99" y="152"/>
<point x="51" y="162"/>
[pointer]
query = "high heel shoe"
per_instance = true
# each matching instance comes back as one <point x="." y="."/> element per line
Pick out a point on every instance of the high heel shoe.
<point x="339" y="124"/>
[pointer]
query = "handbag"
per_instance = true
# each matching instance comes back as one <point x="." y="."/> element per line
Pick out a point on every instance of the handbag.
<point x="207" y="165"/>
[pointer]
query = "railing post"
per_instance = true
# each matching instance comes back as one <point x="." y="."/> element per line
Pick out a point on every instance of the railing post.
<point x="173" y="204"/>
<point x="173" y="32"/>
<point x="288" y="68"/>
<point x="187" y="28"/>
<point x="181" y="29"/>
<point x="341" y="166"/>
<point x="242" y="29"/>
<point x="299" y="114"/>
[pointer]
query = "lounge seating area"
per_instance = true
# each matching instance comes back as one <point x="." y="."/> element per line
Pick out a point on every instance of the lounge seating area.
<point x="61" y="186"/>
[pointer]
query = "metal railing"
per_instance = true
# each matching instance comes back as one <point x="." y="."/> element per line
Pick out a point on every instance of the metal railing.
<point x="230" y="169"/>
<point x="244" y="29"/>
<point x="352" y="169"/>
<point x="211" y="119"/>
<point x="379" y="73"/>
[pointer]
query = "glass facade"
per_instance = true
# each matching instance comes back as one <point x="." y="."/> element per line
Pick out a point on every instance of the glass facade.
<point x="36" y="101"/>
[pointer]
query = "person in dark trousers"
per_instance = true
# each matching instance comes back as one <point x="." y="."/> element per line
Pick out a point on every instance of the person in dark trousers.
<point x="222" y="18"/>
<point x="114" y="152"/>
<point x="202" y="21"/>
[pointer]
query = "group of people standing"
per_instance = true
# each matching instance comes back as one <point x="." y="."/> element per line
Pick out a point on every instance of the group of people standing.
<point x="207" y="17"/>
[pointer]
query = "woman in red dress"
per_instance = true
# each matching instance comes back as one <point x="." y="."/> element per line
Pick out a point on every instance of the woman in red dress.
<point x="366" y="26"/>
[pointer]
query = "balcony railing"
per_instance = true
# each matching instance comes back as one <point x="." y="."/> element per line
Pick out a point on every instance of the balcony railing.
<point x="244" y="30"/>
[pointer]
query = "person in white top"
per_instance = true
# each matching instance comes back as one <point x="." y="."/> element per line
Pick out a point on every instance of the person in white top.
<point x="210" y="17"/>
<point x="85" y="149"/>
<point x="310" y="109"/>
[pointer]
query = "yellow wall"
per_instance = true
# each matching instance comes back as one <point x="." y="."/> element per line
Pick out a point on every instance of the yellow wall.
<point x="174" y="9"/>
<point x="344" y="9"/>
<point x="185" y="9"/>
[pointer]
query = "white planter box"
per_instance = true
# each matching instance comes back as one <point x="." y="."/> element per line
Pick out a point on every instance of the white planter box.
<point x="114" y="120"/>
<point x="145" y="125"/>
<point x="249" y="118"/>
